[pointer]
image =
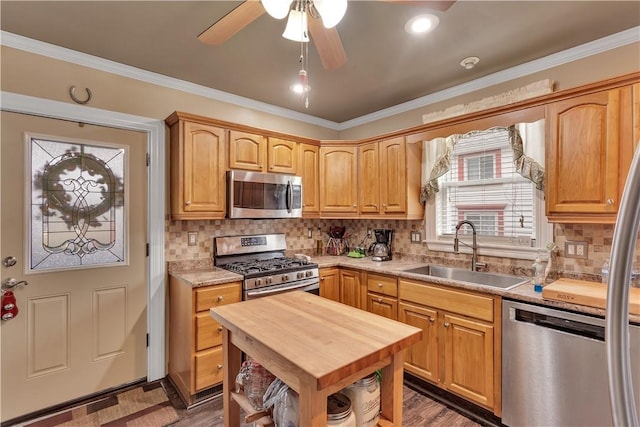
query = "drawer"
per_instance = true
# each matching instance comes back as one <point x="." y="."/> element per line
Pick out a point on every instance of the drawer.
<point x="214" y="296"/>
<point x="208" y="331"/>
<point x="382" y="284"/>
<point x="453" y="300"/>
<point x="382" y="306"/>
<point x="208" y="368"/>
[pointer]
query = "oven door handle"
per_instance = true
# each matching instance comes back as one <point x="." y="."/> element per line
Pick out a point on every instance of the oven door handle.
<point x="301" y="285"/>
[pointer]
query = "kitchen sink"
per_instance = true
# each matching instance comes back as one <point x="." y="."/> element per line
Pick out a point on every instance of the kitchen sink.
<point x="502" y="281"/>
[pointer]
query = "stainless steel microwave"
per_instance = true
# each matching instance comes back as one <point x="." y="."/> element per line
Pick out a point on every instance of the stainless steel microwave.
<point x="263" y="195"/>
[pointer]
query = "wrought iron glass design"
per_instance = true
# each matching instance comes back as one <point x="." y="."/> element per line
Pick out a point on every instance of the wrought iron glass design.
<point x="77" y="205"/>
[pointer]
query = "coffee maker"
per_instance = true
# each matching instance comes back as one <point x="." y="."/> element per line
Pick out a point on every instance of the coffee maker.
<point x="381" y="249"/>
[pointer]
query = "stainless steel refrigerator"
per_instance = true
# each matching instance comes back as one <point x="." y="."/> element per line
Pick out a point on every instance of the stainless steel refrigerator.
<point x="619" y="362"/>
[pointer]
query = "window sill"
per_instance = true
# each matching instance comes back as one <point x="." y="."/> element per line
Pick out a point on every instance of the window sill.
<point x="501" y="251"/>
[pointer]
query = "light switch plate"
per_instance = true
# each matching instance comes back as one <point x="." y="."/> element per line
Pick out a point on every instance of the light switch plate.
<point x="193" y="238"/>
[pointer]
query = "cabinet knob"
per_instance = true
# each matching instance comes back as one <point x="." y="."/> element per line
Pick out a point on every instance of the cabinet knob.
<point x="431" y="319"/>
<point x="219" y="328"/>
<point x="379" y="285"/>
<point x="380" y="300"/>
<point x="322" y="278"/>
<point x="375" y="206"/>
<point x="446" y="325"/>
<point x="260" y="166"/>
<point x="384" y="206"/>
<point x="220" y="298"/>
<point x="188" y="202"/>
<point x="219" y="367"/>
<point x="355" y="206"/>
<point x="610" y="202"/>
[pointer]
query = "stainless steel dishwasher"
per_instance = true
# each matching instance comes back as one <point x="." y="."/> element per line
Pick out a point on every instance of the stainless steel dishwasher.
<point x="554" y="367"/>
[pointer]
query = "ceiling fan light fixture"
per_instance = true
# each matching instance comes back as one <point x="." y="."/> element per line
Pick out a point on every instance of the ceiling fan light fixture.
<point x="421" y="24"/>
<point x="296" y="29"/>
<point x="331" y="11"/>
<point x="277" y="9"/>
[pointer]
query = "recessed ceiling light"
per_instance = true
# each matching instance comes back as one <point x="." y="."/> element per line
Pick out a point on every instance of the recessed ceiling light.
<point x="469" y="62"/>
<point x="421" y="24"/>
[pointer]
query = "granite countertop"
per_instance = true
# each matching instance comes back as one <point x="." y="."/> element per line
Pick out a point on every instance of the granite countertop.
<point x="206" y="276"/>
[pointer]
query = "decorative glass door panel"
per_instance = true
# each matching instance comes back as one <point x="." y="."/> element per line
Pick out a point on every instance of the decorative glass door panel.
<point x="78" y="201"/>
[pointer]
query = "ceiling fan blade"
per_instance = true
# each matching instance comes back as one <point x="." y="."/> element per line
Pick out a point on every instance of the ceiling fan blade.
<point x="328" y="44"/>
<point x="440" y="5"/>
<point x="227" y="26"/>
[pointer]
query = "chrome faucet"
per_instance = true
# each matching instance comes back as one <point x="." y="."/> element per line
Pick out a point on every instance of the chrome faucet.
<point x="474" y="247"/>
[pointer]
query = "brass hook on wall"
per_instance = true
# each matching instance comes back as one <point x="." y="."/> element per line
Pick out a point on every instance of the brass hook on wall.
<point x="73" y="96"/>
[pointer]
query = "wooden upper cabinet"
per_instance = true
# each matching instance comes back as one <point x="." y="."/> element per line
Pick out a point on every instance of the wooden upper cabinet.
<point x="247" y="151"/>
<point x="308" y="169"/>
<point x="282" y="156"/>
<point x="393" y="176"/>
<point x="198" y="167"/>
<point x="369" y="177"/>
<point x="339" y="180"/>
<point x="258" y="153"/>
<point x="589" y="148"/>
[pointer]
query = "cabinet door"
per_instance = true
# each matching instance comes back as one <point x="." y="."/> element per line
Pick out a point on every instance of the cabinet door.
<point x="282" y="156"/>
<point x="588" y="139"/>
<point x="330" y="283"/>
<point x="208" y="369"/>
<point x="350" y="288"/>
<point x="247" y="151"/>
<point x="369" y="176"/>
<point x="393" y="176"/>
<point x="422" y="357"/>
<point x="308" y="169"/>
<point x="198" y="187"/>
<point x="383" y="306"/>
<point x="468" y="355"/>
<point x="339" y="180"/>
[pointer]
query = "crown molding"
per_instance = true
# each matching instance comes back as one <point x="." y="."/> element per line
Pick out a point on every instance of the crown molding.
<point x="604" y="44"/>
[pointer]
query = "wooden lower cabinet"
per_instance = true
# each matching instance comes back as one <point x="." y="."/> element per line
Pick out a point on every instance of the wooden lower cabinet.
<point x="350" y="287"/>
<point x="460" y="350"/>
<point x="330" y="283"/>
<point x="341" y="285"/>
<point x="382" y="295"/>
<point x="195" y="339"/>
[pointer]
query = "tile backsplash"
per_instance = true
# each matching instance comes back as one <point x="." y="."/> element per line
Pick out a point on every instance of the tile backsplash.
<point x="598" y="237"/>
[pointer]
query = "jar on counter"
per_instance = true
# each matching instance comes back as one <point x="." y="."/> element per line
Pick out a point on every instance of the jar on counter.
<point x="339" y="413"/>
<point x="365" y="400"/>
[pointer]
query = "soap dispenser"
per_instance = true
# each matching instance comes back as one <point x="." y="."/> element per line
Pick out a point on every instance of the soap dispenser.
<point x="538" y="275"/>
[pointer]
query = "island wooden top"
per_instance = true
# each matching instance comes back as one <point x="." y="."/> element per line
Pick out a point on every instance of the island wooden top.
<point x="314" y="336"/>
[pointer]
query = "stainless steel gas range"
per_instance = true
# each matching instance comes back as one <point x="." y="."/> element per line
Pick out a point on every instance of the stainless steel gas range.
<point x="261" y="260"/>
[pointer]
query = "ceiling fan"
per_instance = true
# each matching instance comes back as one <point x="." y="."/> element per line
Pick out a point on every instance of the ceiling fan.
<point x="327" y="40"/>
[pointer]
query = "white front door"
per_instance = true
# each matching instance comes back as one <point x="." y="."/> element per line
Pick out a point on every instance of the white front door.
<point x="82" y="323"/>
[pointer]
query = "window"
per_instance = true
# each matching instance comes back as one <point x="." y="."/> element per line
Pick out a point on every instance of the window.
<point x="483" y="186"/>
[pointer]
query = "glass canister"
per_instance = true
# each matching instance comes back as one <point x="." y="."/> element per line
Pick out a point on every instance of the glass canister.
<point x="339" y="413"/>
<point x="365" y="400"/>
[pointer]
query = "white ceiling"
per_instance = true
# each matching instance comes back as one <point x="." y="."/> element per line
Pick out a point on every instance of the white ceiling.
<point x="386" y="66"/>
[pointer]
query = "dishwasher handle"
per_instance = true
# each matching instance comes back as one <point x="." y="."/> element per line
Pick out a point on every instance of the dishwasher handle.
<point x="569" y="326"/>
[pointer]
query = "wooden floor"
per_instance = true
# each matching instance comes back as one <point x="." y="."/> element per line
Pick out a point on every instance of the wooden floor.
<point x="418" y="411"/>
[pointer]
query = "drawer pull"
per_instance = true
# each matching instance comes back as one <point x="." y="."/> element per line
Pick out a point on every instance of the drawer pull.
<point x="219" y="367"/>
<point x="446" y="325"/>
<point x="431" y="319"/>
<point x="379" y="300"/>
<point x="220" y="298"/>
<point x="379" y="285"/>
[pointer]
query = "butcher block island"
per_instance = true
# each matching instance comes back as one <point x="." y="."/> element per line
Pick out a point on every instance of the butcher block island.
<point x="317" y="347"/>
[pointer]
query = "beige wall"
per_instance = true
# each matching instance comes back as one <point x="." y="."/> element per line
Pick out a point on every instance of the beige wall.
<point x="40" y="76"/>
<point x="614" y="63"/>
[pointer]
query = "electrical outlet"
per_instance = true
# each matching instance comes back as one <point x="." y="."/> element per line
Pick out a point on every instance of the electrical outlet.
<point x="416" y="237"/>
<point x="573" y="249"/>
<point x="369" y="232"/>
<point x="310" y="233"/>
<point x="193" y="238"/>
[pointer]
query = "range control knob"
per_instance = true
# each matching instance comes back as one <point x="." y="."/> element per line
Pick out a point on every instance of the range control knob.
<point x="309" y="273"/>
<point x="285" y="277"/>
<point x="258" y="282"/>
<point x="300" y="275"/>
<point x="268" y="280"/>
